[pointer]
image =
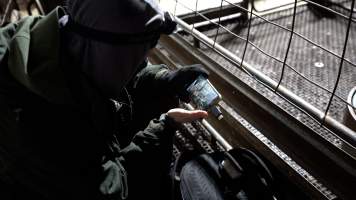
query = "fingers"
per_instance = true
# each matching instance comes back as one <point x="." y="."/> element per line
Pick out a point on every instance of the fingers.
<point x="198" y="114"/>
<point x="182" y="116"/>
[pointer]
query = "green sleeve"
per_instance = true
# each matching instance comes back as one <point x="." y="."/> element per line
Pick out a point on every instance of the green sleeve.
<point x="150" y="77"/>
<point x="155" y="138"/>
<point x="150" y="96"/>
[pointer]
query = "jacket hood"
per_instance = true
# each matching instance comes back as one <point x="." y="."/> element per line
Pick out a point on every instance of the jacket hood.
<point x="111" y="39"/>
<point x="123" y="16"/>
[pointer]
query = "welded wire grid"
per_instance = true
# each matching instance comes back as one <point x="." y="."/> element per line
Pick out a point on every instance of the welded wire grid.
<point x="308" y="48"/>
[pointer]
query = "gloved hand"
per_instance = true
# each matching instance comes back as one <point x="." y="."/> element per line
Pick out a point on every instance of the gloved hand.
<point x="177" y="81"/>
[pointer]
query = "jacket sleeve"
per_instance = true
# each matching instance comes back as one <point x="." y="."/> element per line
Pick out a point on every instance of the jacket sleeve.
<point x="150" y="100"/>
<point x="157" y="137"/>
<point x="150" y="77"/>
<point x="147" y="159"/>
<point x="154" y="144"/>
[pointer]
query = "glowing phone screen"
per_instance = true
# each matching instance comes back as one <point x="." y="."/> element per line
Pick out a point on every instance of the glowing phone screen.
<point x="202" y="93"/>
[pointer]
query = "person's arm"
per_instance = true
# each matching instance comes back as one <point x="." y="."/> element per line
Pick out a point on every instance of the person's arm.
<point x="160" y="131"/>
<point x="160" y="78"/>
<point x="149" y="77"/>
<point x="152" y="139"/>
<point x="156" y="89"/>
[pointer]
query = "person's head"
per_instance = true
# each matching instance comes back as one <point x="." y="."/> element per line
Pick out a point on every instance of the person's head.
<point x="113" y="37"/>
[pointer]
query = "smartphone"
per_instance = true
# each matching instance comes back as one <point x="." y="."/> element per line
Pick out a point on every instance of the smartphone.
<point x="203" y="94"/>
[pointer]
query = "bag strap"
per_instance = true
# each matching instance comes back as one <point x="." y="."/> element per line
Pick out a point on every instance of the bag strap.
<point x="256" y="160"/>
<point x="257" y="176"/>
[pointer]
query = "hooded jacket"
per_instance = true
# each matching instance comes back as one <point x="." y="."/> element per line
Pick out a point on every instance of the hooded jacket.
<point x="57" y="133"/>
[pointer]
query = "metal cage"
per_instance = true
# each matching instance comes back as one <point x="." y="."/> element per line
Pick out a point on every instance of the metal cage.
<point x="296" y="58"/>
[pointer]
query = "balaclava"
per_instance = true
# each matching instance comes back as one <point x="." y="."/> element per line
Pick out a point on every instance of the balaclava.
<point x="110" y="39"/>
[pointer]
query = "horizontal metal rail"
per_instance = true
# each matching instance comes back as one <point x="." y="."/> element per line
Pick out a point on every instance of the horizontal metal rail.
<point x="268" y="10"/>
<point x="344" y="132"/>
<point x="217" y="20"/>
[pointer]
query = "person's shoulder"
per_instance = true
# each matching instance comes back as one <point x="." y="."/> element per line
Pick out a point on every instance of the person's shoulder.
<point x="15" y="30"/>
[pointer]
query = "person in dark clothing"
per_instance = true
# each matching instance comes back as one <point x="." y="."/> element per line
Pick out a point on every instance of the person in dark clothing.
<point x="72" y="83"/>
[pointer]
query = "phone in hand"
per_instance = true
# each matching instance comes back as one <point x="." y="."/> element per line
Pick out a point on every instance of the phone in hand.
<point x="203" y="94"/>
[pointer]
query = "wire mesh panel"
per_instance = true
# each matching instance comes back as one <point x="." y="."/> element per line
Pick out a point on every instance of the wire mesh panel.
<point x="302" y="51"/>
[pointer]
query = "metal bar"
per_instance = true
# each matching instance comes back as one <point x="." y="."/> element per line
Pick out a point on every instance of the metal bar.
<point x="195" y="12"/>
<point x="7" y="12"/>
<point x="213" y="132"/>
<point x="343" y="131"/>
<point x="329" y="9"/>
<point x="269" y="9"/>
<point x="211" y="13"/>
<point x="342" y="61"/>
<point x="247" y="42"/>
<point x="40" y="8"/>
<point x="339" y="5"/>
<point x="217" y="20"/>
<point x="218" y="27"/>
<point x="289" y="43"/>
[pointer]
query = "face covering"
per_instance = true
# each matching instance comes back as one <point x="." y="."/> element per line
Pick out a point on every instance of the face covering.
<point x="111" y="38"/>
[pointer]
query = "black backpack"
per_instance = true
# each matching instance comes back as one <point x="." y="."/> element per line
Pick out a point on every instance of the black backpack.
<point x="236" y="174"/>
